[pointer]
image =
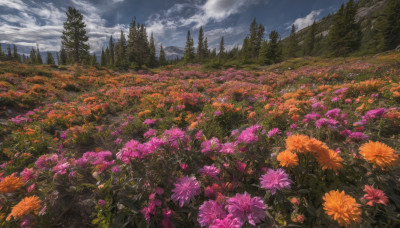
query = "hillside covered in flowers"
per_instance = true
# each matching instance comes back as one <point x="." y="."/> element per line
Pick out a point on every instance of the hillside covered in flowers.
<point x="307" y="142"/>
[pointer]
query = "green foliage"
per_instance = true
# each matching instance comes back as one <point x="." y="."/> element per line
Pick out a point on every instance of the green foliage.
<point x="189" y="49"/>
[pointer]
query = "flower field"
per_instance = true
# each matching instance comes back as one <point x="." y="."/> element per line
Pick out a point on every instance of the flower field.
<point x="307" y="142"/>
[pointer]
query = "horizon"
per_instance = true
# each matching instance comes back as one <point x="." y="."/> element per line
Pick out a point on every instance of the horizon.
<point x="27" y="23"/>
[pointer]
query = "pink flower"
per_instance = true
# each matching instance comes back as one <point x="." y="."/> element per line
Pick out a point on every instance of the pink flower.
<point x="245" y="208"/>
<point x="227" y="148"/>
<point x="149" y="121"/>
<point x="210" y="171"/>
<point x="31" y="188"/>
<point x="183" y="166"/>
<point x="240" y="166"/>
<point x="249" y="134"/>
<point x="101" y="202"/>
<point x="273" y="132"/>
<point x="374" y="196"/>
<point x="209" y="211"/>
<point x="227" y="222"/>
<point x="210" y="145"/>
<point x="275" y="180"/>
<point x="333" y="113"/>
<point x="28" y="174"/>
<point x="151" y="132"/>
<point x="166" y="222"/>
<point x="217" y="113"/>
<point x="185" y="189"/>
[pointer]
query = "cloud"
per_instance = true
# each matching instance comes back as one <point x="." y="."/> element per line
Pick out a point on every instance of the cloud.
<point x="29" y="23"/>
<point x="303" y="22"/>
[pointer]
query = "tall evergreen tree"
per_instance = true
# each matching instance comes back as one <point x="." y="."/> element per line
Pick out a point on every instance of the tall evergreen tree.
<point x="221" y="53"/>
<point x="111" y="47"/>
<point x="388" y="26"/>
<point x="74" y="38"/>
<point x="309" y="41"/>
<point x="255" y="38"/>
<point x="189" y="49"/>
<point x="143" y="49"/>
<point x="9" y="55"/>
<point x="16" y="56"/>
<point x="132" y="47"/>
<point x="120" y="54"/>
<point x="273" y="52"/>
<point x="39" y="56"/>
<point x="33" y="56"/>
<point x="50" y="59"/>
<point x="1" y="54"/>
<point x="58" y="58"/>
<point x="93" y="60"/>
<point x="206" y="51"/>
<point x="293" y="45"/>
<point x="200" y="46"/>
<point x="246" y="50"/>
<point x="263" y="56"/>
<point x="162" y="59"/>
<point x="152" y="52"/>
<point x="103" y="61"/>
<point x="63" y="56"/>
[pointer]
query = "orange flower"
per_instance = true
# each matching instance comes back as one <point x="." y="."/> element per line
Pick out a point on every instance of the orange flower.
<point x="11" y="184"/>
<point x="26" y="206"/>
<point x="342" y="208"/>
<point x="379" y="154"/>
<point x="329" y="159"/>
<point x="288" y="159"/>
<point x="296" y="143"/>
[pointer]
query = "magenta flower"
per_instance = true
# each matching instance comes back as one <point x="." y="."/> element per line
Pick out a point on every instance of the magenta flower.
<point x="227" y="222"/>
<point x="227" y="148"/>
<point x="333" y="113"/>
<point x="209" y="211"/>
<point x="185" y="189"/>
<point x="210" y="145"/>
<point x="210" y="171"/>
<point x="28" y="174"/>
<point x="275" y="180"/>
<point x="149" y="121"/>
<point x="151" y="132"/>
<point x="358" y="136"/>
<point x="245" y="208"/>
<point x="273" y="132"/>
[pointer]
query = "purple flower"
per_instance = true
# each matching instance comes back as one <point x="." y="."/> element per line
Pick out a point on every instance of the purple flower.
<point x="210" y="145"/>
<point x="227" y="148"/>
<point x="273" y="132"/>
<point x="275" y="180"/>
<point x="345" y="132"/>
<point x="312" y="116"/>
<point x="149" y="121"/>
<point x="27" y="174"/>
<point x="293" y="126"/>
<point x="209" y="211"/>
<point x="333" y="113"/>
<point x="323" y="122"/>
<point x="359" y="136"/>
<point x="199" y="135"/>
<point x="151" y="132"/>
<point x="101" y="202"/>
<point x="341" y="90"/>
<point x="174" y="135"/>
<point x="185" y="189"/>
<point x="217" y="113"/>
<point x="227" y="222"/>
<point x="245" y="208"/>
<point x="249" y="134"/>
<point x="335" y="99"/>
<point x="372" y="114"/>
<point x="210" y="171"/>
<point x="318" y="105"/>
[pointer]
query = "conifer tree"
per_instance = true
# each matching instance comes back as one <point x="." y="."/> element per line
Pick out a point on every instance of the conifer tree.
<point x="200" y="46"/>
<point x="206" y="51"/>
<point x="111" y="47"/>
<point x="221" y="53"/>
<point x="93" y="60"/>
<point x="143" y="50"/>
<point x="33" y="56"/>
<point x="293" y="45"/>
<point x="152" y="52"/>
<point x="309" y="41"/>
<point x="246" y="50"/>
<point x="74" y="38"/>
<point x="50" y="59"/>
<point x="103" y="58"/>
<point x="162" y="59"/>
<point x="255" y="38"/>
<point x="1" y="54"/>
<point x="16" y="56"/>
<point x="9" y="55"/>
<point x="189" y="49"/>
<point x="120" y="54"/>
<point x="63" y="56"/>
<point x="39" y="56"/>
<point x="263" y="59"/>
<point x="273" y="52"/>
<point x="388" y="26"/>
<point x="132" y="42"/>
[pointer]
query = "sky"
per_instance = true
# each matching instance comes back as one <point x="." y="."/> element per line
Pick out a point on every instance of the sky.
<point x="31" y="22"/>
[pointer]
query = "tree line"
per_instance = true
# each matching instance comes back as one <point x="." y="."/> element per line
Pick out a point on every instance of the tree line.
<point x="137" y="50"/>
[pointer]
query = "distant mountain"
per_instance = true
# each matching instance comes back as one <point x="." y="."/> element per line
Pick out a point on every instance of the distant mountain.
<point x="173" y="52"/>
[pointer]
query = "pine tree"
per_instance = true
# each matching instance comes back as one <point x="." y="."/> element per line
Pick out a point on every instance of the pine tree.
<point x="63" y="56"/>
<point x="246" y="50"/>
<point x="103" y="58"/>
<point x="255" y="39"/>
<point x="132" y="47"/>
<point x="143" y="50"/>
<point x="39" y="56"/>
<point x="16" y="56"/>
<point x="1" y="54"/>
<point x="9" y="55"/>
<point x="272" y="53"/>
<point x="152" y="53"/>
<point x="111" y="47"/>
<point x="309" y="41"/>
<point x="120" y="52"/>
<point x="33" y="56"/>
<point x="221" y="53"/>
<point x="93" y="60"/>
<point x="388" y="26"/>
<point x="200" y="46"/>
<point x="50" y="59"/>
<point x="293" y="45"/>
<point x="189" y="49"/>
<point x="263" y="59"/>
<point x="74" y="38"/>
<point x="206" y="51"/>
<point x="162" y="59"/>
